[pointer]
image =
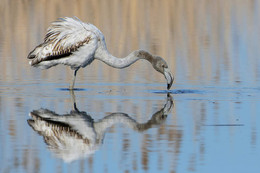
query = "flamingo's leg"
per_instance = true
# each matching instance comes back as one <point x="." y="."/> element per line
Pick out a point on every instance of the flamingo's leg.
<point x="74" y="79"/>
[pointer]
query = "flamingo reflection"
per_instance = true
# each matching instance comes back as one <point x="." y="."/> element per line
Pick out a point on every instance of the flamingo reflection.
<point x="77" y="135"/>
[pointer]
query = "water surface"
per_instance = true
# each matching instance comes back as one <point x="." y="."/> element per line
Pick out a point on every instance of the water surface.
<point x="125" y="120"/>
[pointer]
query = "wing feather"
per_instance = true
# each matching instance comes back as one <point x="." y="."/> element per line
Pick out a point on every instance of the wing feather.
<point x="63" y="37"/>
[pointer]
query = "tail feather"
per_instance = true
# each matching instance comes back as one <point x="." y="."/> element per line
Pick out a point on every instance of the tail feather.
<point x="34" y="53"/>
<point x="37" y="55"/>
<point x="31" y="55"/>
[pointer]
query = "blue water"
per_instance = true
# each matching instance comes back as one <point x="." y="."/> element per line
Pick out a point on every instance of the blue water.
<point x="125" y="120"/>
<point x="204" y="130"/>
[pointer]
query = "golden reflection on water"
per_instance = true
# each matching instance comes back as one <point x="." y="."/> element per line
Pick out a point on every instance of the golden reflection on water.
<point x="203" y="42"/>
<point x="196" y="35"/>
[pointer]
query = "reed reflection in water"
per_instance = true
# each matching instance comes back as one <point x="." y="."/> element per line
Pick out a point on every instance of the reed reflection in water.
<point x="212" y="49"/>
<point x="206" y="42"/>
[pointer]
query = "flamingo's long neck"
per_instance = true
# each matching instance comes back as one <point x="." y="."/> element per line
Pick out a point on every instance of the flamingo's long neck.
<point x="103" y="55"/>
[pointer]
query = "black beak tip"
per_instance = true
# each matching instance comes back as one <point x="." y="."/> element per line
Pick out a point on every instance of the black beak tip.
<point x="168" y="86"/>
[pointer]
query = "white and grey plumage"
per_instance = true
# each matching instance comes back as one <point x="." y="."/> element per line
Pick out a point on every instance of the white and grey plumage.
<point x="71" y="42"/>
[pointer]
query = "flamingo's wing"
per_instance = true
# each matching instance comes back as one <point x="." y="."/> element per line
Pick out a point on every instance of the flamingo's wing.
<point x="63" y="37"/>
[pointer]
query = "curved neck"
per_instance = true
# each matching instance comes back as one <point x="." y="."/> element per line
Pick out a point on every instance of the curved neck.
<point x="112" y="119"/>
<point x="115" y="118"/>
<point x="102" y="54"/>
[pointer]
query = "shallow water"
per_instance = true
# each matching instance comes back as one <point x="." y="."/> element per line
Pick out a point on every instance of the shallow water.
<point x="125" y="120"/>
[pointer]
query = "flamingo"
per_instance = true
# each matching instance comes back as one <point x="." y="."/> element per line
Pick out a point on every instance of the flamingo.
<point x="71" y="42"/>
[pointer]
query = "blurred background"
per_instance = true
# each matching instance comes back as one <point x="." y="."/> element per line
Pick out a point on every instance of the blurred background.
<point x="211" y="48"/>
<point x="203" y="42"/>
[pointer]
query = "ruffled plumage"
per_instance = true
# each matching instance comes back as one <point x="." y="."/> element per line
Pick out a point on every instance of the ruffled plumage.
<point x="63" y="38"/>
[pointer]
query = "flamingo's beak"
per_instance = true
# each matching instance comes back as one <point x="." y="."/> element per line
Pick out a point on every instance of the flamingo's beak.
<point x="168" y="76"/>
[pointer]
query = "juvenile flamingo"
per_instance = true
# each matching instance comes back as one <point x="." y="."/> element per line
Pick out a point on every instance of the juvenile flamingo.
<point x="71" y="42"/>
